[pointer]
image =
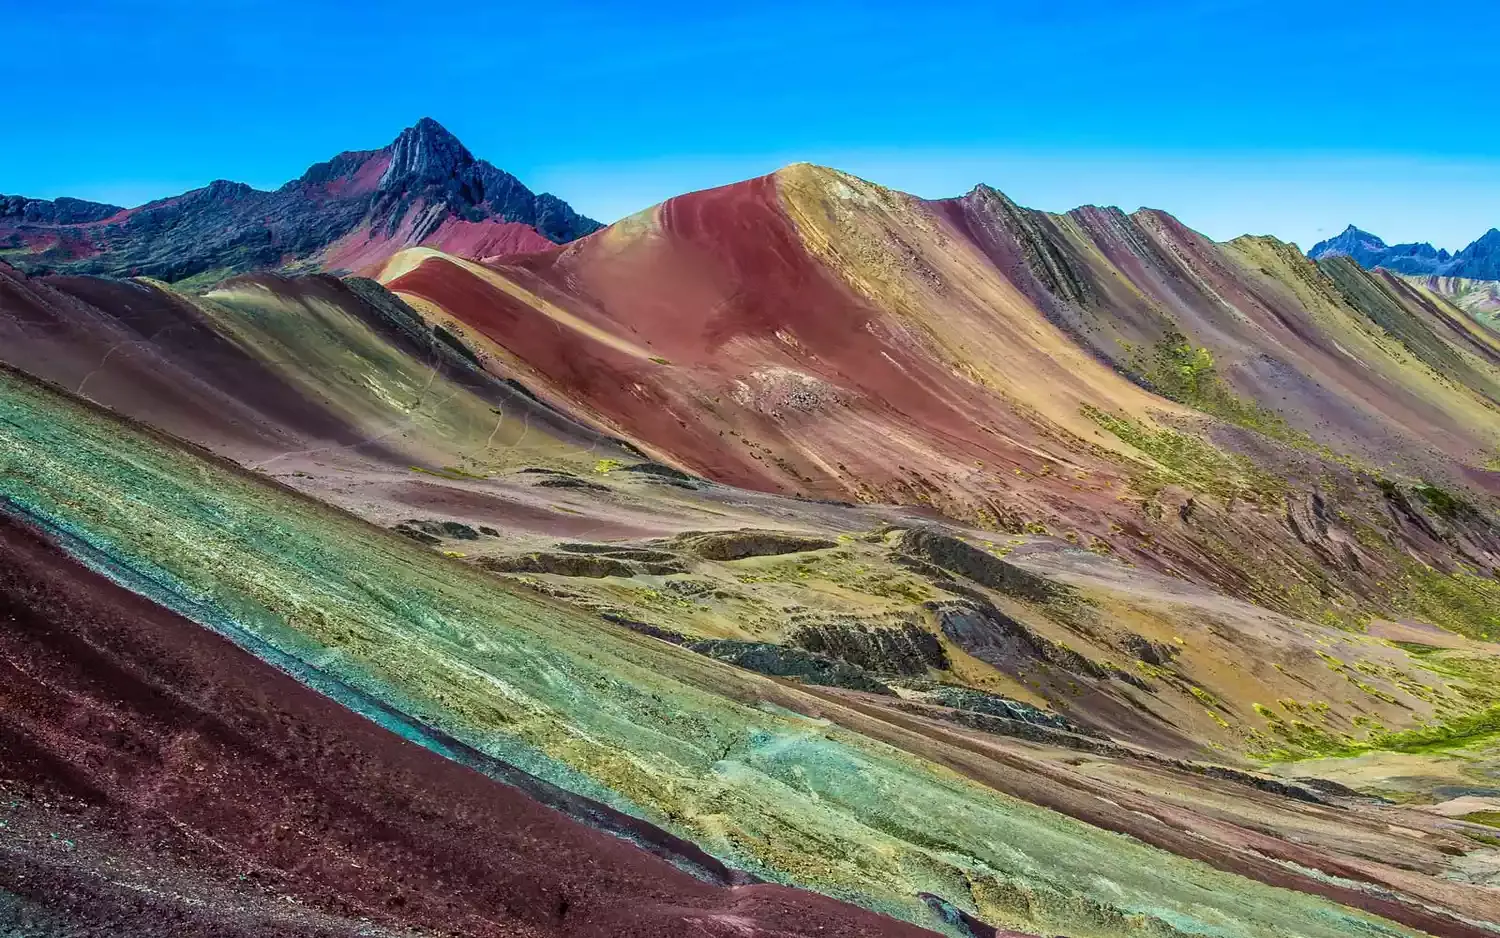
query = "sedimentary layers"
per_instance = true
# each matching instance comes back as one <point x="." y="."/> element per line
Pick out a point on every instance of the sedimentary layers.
<point x="811" y="333"/>
<point x="453" y="661"/>
<point x="793" y="557"/>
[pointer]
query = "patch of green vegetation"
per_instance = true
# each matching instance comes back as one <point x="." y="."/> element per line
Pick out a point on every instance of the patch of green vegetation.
<point x="1154" y="671"/>
<point x="1180" y="371"/>
<point x="1190" y="461"/>
<point x="1458" y="733"/>
<point x="661" y="361"/>
<point x="842" y="570"/>
<point x="1373" y="691"/>
<point x="1298" y="740"/>
<point x="1204" y="697"/>
<point x="1460" y="602"/>
<point x="1487" y="818"/>
<point x="1468" y="715"/>
<point x="447" y="472"/>
<point x="1443" y="503"/>
<point x="1477" y="677"/>
<point x="661" y="599"/>
<point x="205" y="281"/>
<point x="1417" y="649"/>
<point x="604" y="466"/>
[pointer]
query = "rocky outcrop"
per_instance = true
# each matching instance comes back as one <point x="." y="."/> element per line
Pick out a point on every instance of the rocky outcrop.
<point x="622" y="552"/>
<point x="434" y="532"/>
<point x="997" y="639"/>
<point x="1142" y="648"/>
<point x="949" y="553"/>
<point x="794" y="663"/>
<point x="588" y="560"/>
<point x="427" y="162"/>
<point x="908" y="649"/>
<point x="978" y="701"/>
<point x="663" y="474"/>
<point x="560" y="564"/>
<point x="738" y="545"/>
<point x="645" y="628"/>
<point x="15" y="209"/>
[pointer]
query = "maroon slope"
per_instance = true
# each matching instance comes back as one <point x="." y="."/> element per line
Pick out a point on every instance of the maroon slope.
<point x="169" y="758"/>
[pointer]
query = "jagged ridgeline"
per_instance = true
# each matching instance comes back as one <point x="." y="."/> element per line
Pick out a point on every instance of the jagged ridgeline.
<point x="349" y="213"/>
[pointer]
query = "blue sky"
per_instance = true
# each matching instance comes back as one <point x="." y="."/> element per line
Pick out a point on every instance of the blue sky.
<point x="1267" y="117"/>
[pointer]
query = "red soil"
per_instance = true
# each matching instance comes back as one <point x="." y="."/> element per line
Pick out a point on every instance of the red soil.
<point x="722" y="290"/>
<point x="364" y="179"/>
<point x="189" y="754"/>
<point x="481" y="239"/>
<point x="365" y="250"/>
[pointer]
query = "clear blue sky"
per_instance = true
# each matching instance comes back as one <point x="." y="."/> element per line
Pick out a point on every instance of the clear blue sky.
<point x="1274" y="117"/>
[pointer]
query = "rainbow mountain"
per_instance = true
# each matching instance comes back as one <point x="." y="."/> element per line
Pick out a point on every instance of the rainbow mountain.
<point x="790" y="558"/>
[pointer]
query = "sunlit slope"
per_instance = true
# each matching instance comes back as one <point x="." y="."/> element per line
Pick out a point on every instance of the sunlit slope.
<point x="209" y="793"/>
<point x="944" y="302"/>
<point x="782" y="334"/>
<point x="649" y="728"/>
<point x="361" y="353"/>
<point x="1331" y="352"/>
<point x="1478" y="298"/>
<point x="146" y="351"/>
<point x="1115" y="379"/>
<point x="274" y="371"/>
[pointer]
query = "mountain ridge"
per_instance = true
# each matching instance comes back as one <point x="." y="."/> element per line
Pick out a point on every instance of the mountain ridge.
<point x="343" y="214"/>
<point x="821" y="527"/>
<point x="1479" y="260"/>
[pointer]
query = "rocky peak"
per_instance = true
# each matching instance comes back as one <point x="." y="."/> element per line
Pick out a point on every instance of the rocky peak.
<point x="63" y="211"/>
<point x="1490" y="241"/>
<point x="1355" y="242"/>
<point x="425" y="176"/>
<point x="228" y="189"/>
<point x="426" y="153"/>
<point x="1480" y="260"/>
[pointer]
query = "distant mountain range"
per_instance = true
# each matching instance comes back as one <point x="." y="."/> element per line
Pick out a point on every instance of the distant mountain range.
<point x="1479" y="261"/>
<point x="345" y="215"/>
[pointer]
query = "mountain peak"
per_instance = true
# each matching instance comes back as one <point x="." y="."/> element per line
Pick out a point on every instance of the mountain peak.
<point x="1352" y="241"/>
<point x="425" y="152"/>
<point x="1479" y="261"/>
<point x="347" y="213"/>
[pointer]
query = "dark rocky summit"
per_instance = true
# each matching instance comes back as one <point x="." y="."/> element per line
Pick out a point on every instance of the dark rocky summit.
<point x="429" y="163"/>
<point x="404" y="191"/>
<point x="15" y="209"/>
